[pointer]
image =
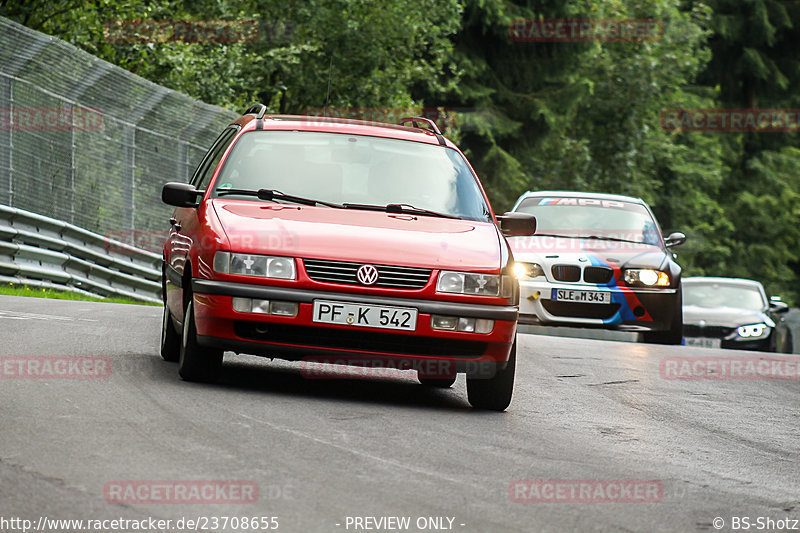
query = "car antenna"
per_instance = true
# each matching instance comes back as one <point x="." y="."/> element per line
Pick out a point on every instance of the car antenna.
<point x="328" y="96"/>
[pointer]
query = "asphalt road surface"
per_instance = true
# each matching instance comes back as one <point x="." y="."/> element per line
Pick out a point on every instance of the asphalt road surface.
<point x="122" y="438"/>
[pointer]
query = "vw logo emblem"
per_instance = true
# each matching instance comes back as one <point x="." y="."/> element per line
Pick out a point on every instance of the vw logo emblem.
<point x="367" y="274"/>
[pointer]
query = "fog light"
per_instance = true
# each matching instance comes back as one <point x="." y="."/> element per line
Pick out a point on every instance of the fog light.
<point x="242" y="305"/>
<point x="283" y="308"/>
<point x="260" y="306"/>
<point x="443" y="322"/>
<point x="466" y="324"/>
<point x="484" y="325"/>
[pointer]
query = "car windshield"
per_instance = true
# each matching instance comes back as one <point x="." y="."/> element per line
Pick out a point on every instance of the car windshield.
<point x="585" y="217"/>
<point x="354" y="169"/>
<point x="713" y="294"/>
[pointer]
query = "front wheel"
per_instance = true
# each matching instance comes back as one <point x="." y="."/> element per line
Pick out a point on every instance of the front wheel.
<point x="197" y="363"/>
<point x="170" y="340"/>
<point x="494" y="394"/>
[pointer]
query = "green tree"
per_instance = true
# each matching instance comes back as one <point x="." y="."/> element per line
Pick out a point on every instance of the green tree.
<point x="755" y="65"/>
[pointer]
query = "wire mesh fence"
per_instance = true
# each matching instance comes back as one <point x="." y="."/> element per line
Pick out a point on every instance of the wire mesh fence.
<point x="89" y="143"/>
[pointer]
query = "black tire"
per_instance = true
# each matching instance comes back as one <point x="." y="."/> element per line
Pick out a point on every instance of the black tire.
<point x="441" y="383"/>
<point x="674" y="335"/>
<point x="495" y="393"/>
<point x="170" y="339"/>
<point x="197" y="363"/>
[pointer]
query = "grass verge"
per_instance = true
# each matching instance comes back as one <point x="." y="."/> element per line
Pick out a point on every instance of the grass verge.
<point x="11" y="289"/>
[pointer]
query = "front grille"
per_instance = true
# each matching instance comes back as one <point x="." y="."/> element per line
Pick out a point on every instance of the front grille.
<point x="580" y="310"/>
<point x="599" y="275"/>
<point x="716" y="332"/>
<point x="352" y="339"/>
<point x="389" y="277"/>
<point x="566" y="272"/>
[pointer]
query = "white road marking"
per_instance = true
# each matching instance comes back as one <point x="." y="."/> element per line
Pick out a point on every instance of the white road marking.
<point x="19" y="315"/>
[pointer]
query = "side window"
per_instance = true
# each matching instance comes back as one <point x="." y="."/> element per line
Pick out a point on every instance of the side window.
<point x="212" y="157"/>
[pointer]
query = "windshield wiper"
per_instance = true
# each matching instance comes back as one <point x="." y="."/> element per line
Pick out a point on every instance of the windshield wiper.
<point x="615" y="239"/>
<point x="407" y="209"/>
<point x="270" y="194"/>
<point x="598" y="237"/>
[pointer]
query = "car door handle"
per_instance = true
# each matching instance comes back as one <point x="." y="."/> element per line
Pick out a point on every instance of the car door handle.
<point x="174" y="223"/>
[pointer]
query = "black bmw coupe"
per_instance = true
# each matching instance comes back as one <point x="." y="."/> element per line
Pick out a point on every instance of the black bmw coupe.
<point x="733" y="313"/>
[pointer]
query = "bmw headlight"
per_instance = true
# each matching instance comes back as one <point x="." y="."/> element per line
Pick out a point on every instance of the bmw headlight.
<point x="265" y="266"/>
<point x="752" y="331"/>
<point x="469" y="283"/>
<point x="646" y="277"/>
<point x="528" y="270"/>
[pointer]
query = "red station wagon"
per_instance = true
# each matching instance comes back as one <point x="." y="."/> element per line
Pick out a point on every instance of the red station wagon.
<point x="344" y="242"/>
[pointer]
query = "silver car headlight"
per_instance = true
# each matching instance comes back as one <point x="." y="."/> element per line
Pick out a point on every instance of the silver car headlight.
<point x="646" y="277"/>
<point x="264" y="266"/>
<point x="470" y="283"/>
<point x="753" y="331"/>
<point x="528" y="270"/>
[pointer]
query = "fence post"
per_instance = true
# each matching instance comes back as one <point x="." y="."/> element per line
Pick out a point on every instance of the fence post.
<point x="129" y="178"/>
<point x="6" y="142"/>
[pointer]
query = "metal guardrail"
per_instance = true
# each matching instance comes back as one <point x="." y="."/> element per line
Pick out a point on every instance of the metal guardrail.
<point x="44" y="252"/>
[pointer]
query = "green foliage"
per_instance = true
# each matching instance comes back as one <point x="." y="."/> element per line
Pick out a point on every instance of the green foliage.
<point x="529" y="115"/>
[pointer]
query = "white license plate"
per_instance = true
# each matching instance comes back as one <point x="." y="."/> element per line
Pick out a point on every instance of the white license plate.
<point x="589" y="297"/>
<point x="364" y="315"/>
<point x="703" y="342"/>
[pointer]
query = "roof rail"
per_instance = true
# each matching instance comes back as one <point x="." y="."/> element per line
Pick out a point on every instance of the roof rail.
<point x="424" y="123"/>
<point x="259" y="110"/>
<point x="429" y="124"/>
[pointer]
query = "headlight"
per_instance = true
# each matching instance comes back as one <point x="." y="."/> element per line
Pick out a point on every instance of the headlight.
<point x="469" y="283"/>
<point x="528" y="270"/>
<point x="752" y="331"/>
<point x="646" y="277"/>
<point x="265" y="266"/>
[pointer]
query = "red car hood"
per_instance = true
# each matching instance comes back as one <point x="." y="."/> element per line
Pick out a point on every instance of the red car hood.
<point x="359" y="236"/>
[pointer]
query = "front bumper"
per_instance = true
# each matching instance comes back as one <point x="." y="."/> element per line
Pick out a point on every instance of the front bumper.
<point x="300" y="338"/>
<point x="630" y="309"/>
<point x="726" y="338"/>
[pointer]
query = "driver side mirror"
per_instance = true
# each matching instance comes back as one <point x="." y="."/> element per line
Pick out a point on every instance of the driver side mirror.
<point x="778" y="306"/>
<point x="675" y="239"/>
<point x="517" y="224"/>
<point x="180" y="194"/>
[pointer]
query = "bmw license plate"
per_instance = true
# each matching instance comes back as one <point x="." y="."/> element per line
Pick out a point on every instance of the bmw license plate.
<point x="364" y="315"/>
<point x="703" y="342"/>
<point x="589" y="297"/>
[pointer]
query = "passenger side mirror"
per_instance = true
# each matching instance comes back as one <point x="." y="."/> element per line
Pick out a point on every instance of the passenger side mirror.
<point x="180" y="194"/>
<point x="778" y="306"/>
<point x="675" y="239"/>
<point x="517" y="224"/>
